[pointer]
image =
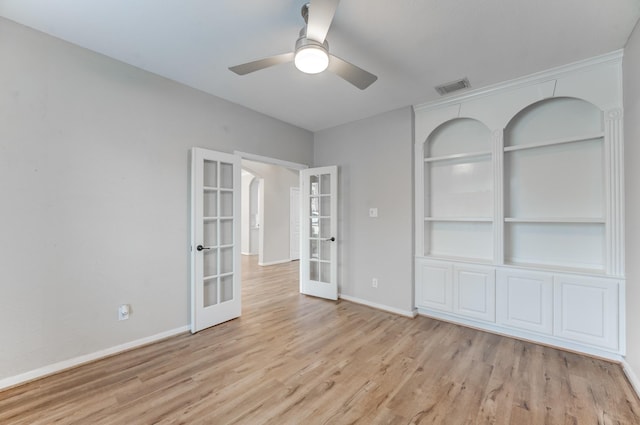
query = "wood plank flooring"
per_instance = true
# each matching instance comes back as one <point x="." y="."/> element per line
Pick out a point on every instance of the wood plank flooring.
<point x="292" y="359"/>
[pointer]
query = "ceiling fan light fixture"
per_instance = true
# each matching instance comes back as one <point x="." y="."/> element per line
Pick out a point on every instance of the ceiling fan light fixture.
<point x="311" y="57"/>
<point x="311" y="60"/>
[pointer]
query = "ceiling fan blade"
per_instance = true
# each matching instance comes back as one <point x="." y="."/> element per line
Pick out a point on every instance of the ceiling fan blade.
<point x="321" y="14"/>
<point x="351" y="73"/>
<point x="249" y="67"/>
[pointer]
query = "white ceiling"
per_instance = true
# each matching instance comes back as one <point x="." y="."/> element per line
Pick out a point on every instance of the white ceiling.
<point x="412" y="45"/>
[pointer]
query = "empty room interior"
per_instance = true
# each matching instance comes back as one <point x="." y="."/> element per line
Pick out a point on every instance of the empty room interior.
<point x="320" y="212"/>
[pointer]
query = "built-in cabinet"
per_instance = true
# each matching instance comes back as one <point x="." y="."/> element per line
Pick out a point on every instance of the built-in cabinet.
<point x="519" y="200"/>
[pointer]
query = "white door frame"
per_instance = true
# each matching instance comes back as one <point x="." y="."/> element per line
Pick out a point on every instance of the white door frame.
<point x="294" y="223"/>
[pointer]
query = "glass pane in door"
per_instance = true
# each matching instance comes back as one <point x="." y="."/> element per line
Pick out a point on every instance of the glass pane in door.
<point x="210" y="292"/>
<point x="210" y="178"/>
<point x="315" y="227"/>
<point x="226" y="260"/>
<point x="325" y="206"/>
<point x="314" y="271"/>
<point x="209" y="262"/>
<point x="325" y="184"/>
<point x="210" y="203"/>
<point x="226" y="288"/>
<point x="226" y="232"/>
<point x="325" y="228"/>
<point x="314" y="182"/>
<point x="315" y="206"/>
<point x="226" y="203"/>
<point x="325" y="250"/>
<point x="325" y="272"/>
<point x="226" y="175"/>
<point x="210" y="233"/>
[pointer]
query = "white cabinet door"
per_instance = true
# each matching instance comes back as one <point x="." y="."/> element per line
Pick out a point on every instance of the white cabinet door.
<point x="474" y="292"/>
<point x="586" y="310"/>
<point x="525" y="300"/>
<point x="434" y="288"/>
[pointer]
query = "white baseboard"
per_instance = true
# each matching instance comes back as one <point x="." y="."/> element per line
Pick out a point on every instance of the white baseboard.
<point x="631" y="376"/>
<point x="273" y="263"/>
<point x="12" y="381"/>
<point x="406" y="313"/>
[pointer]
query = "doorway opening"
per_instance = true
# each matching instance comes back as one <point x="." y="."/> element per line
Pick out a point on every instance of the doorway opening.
<point x="270" y="210"/>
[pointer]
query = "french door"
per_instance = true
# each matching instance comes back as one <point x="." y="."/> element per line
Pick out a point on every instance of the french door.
<point x="319" y="247"/>
<point x="215" y="236"/>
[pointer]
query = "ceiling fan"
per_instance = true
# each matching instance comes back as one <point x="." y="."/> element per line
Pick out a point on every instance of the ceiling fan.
<point x="311" y="54"/>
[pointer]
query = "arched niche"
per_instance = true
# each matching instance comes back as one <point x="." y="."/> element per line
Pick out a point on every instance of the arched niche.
<point x="458" y="136"/>
<point x="553" y="119"/>
<point x="554" y="187"/>
<point x="457" y="188"/>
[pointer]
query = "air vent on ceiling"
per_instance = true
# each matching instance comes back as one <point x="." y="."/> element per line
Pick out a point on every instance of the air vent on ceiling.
<point x="453" y="86"/>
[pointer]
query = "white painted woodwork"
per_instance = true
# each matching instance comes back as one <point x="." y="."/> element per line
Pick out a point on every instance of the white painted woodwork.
<point x="435" y="285"/>
<point x="294" y="223"/>
<point x="215" y="229"/>
<point x="319" y="242"/>
<point x="526" y="179"/>
<point x="614" y="177"/>
<point x="525" y="300"/>
<point x="587" y="310"/>
<point x="474" y="291"/>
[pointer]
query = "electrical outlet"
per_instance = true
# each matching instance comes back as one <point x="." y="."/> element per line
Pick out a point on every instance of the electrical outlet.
<point x="123" y="312"/>
<point x="374" y="282"/>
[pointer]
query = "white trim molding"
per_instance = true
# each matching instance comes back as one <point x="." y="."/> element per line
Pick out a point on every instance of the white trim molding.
<point x="631" y="376"/>
<point x="406" y="313"/>
<point x="273" y="263"/>
<point x="536" y="78"/>
<point x="41" y="372"/>
<point x="272" y="161"/>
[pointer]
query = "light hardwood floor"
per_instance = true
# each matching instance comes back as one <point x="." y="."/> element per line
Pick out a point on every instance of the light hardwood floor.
<point x="292" y="359"/>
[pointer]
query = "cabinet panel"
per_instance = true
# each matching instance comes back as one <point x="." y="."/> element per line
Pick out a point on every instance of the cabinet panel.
<point x="525" y="300"/>
<point x="474" y="292"/>
<point x="434" y="285"/>
<point x="586" y="310"/>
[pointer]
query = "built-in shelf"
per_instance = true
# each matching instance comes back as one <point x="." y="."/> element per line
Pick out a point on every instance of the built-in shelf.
<point x="461" y="219"/>
<point x="555" y="268"/>
<point x="562" y="220"/>
<point x="553" y="142"/>
<point x="470" y="260"/>
<point x="519" y="211"/>
<point x="457" y="156"/>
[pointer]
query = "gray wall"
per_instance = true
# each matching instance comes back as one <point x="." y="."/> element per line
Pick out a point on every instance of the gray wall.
<point x="94" y="186"/>
<point x="374" y="156"/>
<point x="631" y="70"/>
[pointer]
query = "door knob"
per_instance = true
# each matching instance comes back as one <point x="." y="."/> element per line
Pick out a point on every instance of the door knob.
<point x="200" y="247"/>
<point x="331" y="239"/>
